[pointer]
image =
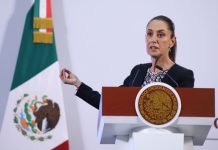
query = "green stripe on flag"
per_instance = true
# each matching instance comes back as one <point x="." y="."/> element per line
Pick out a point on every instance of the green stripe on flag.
<point x="36" y="8"/>
<point x="32" y="57"/>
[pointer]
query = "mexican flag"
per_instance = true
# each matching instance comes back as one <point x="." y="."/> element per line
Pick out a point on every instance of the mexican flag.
<point x="35" y="115"/>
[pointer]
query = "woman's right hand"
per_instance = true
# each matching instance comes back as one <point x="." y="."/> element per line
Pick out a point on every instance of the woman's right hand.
<point x="69" y="78"/>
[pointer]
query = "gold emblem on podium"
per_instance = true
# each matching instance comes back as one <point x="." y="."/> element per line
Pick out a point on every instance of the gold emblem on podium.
<point x="158" y="104"/>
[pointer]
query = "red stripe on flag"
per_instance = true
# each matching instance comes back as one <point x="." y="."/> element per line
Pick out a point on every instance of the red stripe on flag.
<point x="63" y="146"/>
<point x="48" y="12"/>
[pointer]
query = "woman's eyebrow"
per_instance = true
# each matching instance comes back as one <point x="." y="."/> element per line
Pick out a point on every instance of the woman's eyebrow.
<point x="149" y="30"/>
<point x="161" y="30"/>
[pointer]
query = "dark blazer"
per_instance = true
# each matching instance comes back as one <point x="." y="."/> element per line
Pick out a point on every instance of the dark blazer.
<point x="177" y="76"/>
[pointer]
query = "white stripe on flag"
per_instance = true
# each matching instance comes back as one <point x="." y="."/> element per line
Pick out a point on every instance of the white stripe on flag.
<point x="42" y="12"/>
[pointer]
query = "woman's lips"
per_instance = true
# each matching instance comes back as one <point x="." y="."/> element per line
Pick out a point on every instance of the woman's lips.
<point x="154" y="47"/>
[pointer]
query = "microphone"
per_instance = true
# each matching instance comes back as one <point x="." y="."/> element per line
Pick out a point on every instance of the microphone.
<point x="136" y="74"/>
<point x="160" y="68"/>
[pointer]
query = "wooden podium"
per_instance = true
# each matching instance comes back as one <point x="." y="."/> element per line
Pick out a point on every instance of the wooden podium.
<point x="117" y="115"/>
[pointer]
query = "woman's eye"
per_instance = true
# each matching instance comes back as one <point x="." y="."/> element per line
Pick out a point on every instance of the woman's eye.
<point x="160" y="35"/>
<point x="149" y="34"/>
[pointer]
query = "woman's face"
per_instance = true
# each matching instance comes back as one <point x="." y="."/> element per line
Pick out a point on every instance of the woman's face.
<point x="158" y="39"/>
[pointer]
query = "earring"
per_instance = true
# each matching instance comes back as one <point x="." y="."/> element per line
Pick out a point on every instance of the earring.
<point x="170" y="49"/>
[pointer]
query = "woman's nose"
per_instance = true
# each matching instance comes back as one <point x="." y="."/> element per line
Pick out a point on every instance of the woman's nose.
<point x="153" y="39"/>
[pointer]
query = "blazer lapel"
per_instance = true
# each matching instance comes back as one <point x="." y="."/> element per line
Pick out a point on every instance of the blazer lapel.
<point x="139" y="79"/>
<point x="170" y="76"/>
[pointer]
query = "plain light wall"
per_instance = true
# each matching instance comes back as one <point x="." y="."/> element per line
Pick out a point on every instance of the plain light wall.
<point x="101" y="40"/>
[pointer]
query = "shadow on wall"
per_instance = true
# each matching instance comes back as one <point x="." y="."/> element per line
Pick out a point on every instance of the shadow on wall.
<point x="72" y="112"/>
<point x="10" y="49"/>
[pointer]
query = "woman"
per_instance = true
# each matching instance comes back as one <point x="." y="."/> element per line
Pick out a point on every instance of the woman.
<point x="161" y="46"/>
